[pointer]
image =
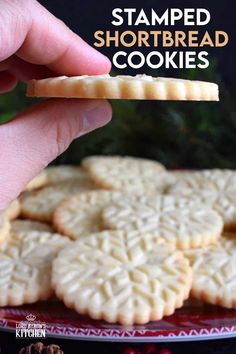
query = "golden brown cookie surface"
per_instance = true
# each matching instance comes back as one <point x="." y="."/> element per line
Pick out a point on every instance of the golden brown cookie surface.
<point x="124" y="87"/>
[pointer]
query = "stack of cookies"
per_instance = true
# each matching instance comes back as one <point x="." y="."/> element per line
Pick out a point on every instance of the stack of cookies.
<point x="121" y="239"/>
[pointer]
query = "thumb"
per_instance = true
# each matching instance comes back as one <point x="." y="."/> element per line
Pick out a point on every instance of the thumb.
<point x="37" y="136"/>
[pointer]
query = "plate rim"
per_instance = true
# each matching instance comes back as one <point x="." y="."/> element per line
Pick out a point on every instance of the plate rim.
<point x="154" y="339"/>
<point x="214" y="333"/>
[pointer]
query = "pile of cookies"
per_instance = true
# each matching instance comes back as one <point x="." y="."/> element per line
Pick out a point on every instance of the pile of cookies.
<point x="121" y="239"/>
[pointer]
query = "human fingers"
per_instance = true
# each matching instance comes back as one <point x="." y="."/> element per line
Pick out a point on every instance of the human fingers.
<point x="40" y="38"/>
<point x="37" y="136"/>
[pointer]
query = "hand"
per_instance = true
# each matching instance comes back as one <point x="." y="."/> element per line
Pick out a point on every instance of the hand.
<point x="35" y="44"/>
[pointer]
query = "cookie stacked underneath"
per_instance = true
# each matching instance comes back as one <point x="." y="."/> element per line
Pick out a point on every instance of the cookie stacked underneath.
<point x="121" y="239"/>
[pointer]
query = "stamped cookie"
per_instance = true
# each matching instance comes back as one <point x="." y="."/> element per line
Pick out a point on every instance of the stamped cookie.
<point x="63" y="173"/>
<point x="40" y="205"/>
<point x="223" y="202"/>
<point x="128" y="174"/>
<point x="214" y="272"/>
<point x="119" y="277"/>
<point x="215" y="188"/>
<point x="80" y="215"/>
<point x="4" y="228"/>
<point x="25" y="266"/>
<point x="37" y="182"/>
<point x="13" y="211"/>
<point x="215" y="180"/>
<point x="181" y="222"/>
<point x="29" y="225"/>
<point x="139" y="87"/>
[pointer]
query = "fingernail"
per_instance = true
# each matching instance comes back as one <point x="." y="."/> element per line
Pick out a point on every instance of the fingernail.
<point x="95" y="118"/>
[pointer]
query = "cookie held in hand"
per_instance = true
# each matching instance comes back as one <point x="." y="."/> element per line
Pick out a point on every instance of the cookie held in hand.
<point x="139" y="87"/>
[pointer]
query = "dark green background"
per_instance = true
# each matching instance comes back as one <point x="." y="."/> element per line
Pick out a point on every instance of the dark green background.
<point x="180" y="134"/>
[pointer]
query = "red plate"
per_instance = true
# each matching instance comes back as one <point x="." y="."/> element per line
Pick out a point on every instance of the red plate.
<point x="193" y="322"/>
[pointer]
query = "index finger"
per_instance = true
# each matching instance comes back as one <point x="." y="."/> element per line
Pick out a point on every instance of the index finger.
<point x="38" y="37"/>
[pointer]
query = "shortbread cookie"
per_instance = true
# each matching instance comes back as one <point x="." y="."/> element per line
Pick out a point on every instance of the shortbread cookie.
<point x="103" y="163"/>
<point x="129" y="174"/>
<point x="80" y="215"/>
<point x="180" y="222"/>
<point x="211" y="180"/>
<point x="41" y="204"/>
<point x="13" y="211"/>
<point x="139" y="87"/>
<point x="25" y="266"/>
<point x="37" y="182"/>
<point x="223" y="202"/>
<point x="119" y="277"/>
<point x="4" y="228"/>
<point x="214" y="272"/>
<point x="215" y="188"/>
<point x="63" y="173"/>
<point x="30" y="225"/>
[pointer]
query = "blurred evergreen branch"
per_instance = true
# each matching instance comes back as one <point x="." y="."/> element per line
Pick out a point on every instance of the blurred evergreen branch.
<point x="180" y="134"/>
<point x="13" y="102"/>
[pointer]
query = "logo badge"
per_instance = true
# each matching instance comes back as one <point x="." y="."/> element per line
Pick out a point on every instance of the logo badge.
<point x="31" y="328"/>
